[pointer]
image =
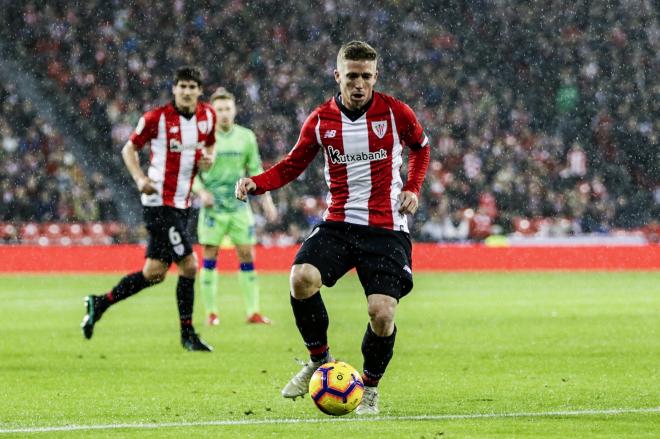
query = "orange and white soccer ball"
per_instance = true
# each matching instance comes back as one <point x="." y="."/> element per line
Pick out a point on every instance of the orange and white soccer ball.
<point x="336" y="388"/>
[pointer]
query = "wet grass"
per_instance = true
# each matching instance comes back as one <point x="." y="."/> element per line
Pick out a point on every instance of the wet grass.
<point x="467" y="344"/>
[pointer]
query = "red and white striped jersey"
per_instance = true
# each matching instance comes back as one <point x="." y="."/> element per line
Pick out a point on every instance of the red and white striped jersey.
<point x="176" y="147"/>
<point x="363" y="157"/>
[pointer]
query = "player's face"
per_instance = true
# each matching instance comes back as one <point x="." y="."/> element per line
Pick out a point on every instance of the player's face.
<point x="186" y="94"/>
<point x="356" y="81"/>
<point x="226" y="111"/>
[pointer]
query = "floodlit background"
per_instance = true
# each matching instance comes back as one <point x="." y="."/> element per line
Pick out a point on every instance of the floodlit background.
<point x="543" y="116"/>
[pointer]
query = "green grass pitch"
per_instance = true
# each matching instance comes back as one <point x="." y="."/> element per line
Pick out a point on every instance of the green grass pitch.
<point x="477" y="355"/>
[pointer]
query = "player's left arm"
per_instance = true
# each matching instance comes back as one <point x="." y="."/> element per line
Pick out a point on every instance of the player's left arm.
<point x="419" y="156"/>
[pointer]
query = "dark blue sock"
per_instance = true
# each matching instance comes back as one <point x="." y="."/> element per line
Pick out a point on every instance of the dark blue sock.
<point x="209" y="264"/>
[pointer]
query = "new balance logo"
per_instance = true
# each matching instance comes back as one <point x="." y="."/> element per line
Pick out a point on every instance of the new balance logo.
<point x="330" y="134"/>
<point x="177" y="146"/>
<point x="338" y="158"/>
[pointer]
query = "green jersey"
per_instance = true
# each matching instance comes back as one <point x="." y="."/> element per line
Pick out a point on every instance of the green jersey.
<point x="236" y="156"/>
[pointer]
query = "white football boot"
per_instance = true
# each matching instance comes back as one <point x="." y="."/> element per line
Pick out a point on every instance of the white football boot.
<point x="369" y="403"/>
<point x="299" y="384"/>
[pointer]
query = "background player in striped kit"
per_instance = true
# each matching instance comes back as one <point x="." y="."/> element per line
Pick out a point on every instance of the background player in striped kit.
<point x="236" y="155"/>
<point x="362" y="134"/>
<point x="181" y="136"/>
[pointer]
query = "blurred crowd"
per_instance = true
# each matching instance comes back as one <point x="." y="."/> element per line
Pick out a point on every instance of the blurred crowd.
<point x="544" y="116"/>
<point x="40" y="180"/>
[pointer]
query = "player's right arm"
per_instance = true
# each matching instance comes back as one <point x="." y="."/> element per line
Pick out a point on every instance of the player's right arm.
<point x="132" y="162"/>
<point x="287" y="169"/>
<point x="146" y="129"/>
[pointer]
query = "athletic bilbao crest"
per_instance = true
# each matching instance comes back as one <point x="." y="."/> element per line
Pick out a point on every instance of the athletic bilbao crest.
<point x="203" y="126"/>
<point x="380" y="128"/>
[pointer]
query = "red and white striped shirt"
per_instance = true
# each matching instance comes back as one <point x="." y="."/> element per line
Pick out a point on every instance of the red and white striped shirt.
<point x="176" y="147"/>
<point x="362" y="160"/>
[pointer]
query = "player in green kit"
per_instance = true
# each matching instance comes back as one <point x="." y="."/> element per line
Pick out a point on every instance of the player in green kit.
<point x="237" y="155"/>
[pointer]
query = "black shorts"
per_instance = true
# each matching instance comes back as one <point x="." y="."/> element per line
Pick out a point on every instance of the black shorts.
<point x="382" y="258"/>
<point x="169" y="240"/>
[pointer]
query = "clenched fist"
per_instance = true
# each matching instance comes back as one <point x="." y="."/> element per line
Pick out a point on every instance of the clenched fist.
<point x="243" y="187"/>
<point x="408" y="202"/>
<point x="145" y="185"/>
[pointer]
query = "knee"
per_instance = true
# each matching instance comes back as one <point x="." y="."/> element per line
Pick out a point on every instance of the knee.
<point x="210" y="252"/>
<point x="381" y="315"/>
<point x="155" y="275"/>
<point x="155" y="270"/>
<point x="189" y="272"/>
<point x="244" y="254"/>
<point x="305" y="280"/>
<point x="188" y="266"/>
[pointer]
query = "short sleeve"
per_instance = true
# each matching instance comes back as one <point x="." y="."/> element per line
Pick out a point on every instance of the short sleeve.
<point x="146" y="129"/>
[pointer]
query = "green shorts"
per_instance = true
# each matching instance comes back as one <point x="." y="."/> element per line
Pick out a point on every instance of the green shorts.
<point x="213" y="226"/>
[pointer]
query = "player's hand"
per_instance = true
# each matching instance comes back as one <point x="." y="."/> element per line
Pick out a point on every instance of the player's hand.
<point x="243" y="187"/>
<point x="207" y="198"/>
<point x="146" y="186"/>
<point x="408" y="202"/>
<point x="205" y="161"/>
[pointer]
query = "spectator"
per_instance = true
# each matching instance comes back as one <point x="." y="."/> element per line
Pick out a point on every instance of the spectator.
<point x="509" y="90"/>
<point x="445" y="226"/>
<point x="39" y="180"/>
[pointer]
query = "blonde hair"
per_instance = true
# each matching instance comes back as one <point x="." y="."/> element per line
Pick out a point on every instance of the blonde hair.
<point x="221" y="93"/>
<point x="357" y="51"/>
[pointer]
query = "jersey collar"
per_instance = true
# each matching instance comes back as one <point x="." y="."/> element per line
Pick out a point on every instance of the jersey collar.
<point x="353" y="115"/>
<point x="225" y="133"/>
<point x="183" y="113"/>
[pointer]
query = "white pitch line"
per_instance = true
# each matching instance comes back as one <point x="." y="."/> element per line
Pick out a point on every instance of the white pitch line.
<point x="607" y="412"/>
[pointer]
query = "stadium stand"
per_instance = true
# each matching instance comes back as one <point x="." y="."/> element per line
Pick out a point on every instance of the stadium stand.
<point x="44" y="191"/>
<point x="544" y="119"/>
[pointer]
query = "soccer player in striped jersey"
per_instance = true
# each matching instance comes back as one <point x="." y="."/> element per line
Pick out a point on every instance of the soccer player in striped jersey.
<point x="236" y="155"/>
<point x="362" y="134"/>
<point x="181" y="135"/>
